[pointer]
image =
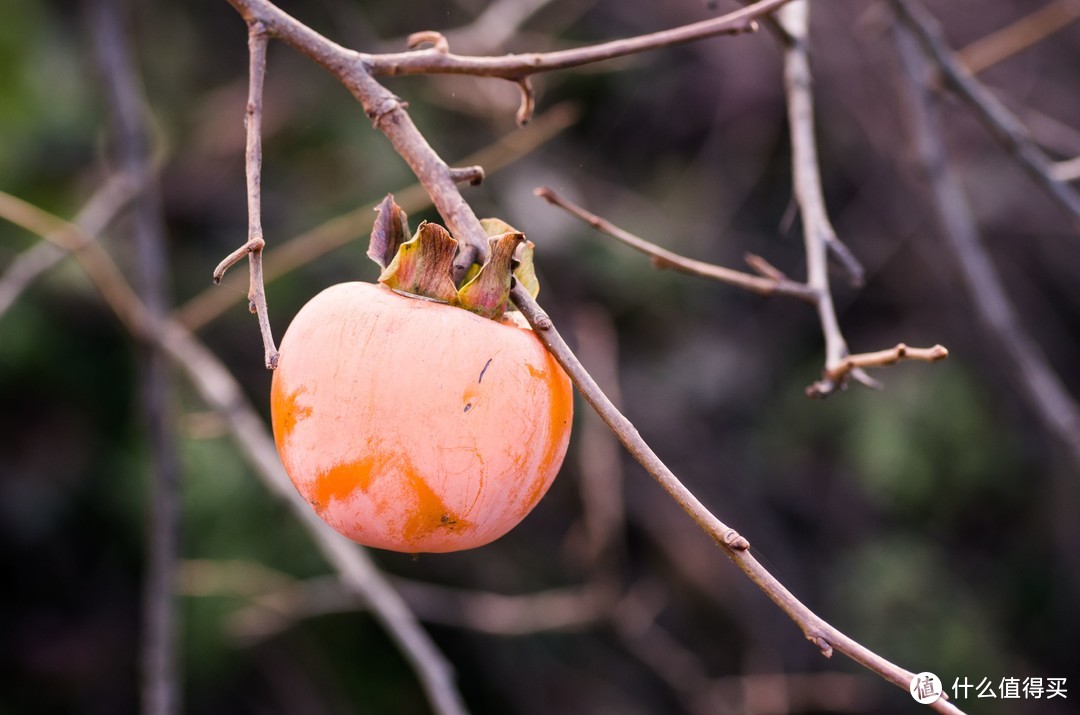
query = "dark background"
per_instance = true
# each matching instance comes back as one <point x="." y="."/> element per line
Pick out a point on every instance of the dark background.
<point x="934" y="521"/>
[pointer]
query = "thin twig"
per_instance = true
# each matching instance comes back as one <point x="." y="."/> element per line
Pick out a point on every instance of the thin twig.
<point x="343" y="229"/>
<point x="516" y="67"/>
<point x="818" y="233"/>
<point x="1044" y="388"/>
<point x="881" y="358"/>
<point x="158" y="642"/>
<point x="1019" y="35"/>
<point x="824" y="636"/>
<point x="793" y="21"/>
<point x="221" y="391"/>
<point x="253" y="248"/>
<point x="771" y="281"/>
<point x="663" y="258"/>
<point x="1002" y="124"/>
<point x="387" y="113"/>
<point x="279" y="601"/>
<point x="98" y="212"/>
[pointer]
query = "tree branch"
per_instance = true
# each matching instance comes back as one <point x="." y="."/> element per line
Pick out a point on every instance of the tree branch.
<point x="770" y="282"/>
<point x="388" y="115"/>
<point x="516" y="67"/>
<point x="1044" y="388"/>
<point x="824" y="636"/>
<point x="221" y="391"/>
<point x="663" y="258"/>
<point x="158" y="642"/>
<point x="818" y="233"/>
<point x="1002" y="124"/>
<point x="253" y="248"/>
<point x="109" y="199"/>
<point x="341" y="230"/>
<point x="1019" y="35"/>
<point x="880" y="358"/>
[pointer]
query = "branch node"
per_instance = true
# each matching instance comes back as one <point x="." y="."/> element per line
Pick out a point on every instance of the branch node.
<point x="253" y="245"/>
<point x="823" y="645"/>
<point x="764" y="268"/>
<point x="434" y="38"/>
<point x="735" y="541"/>
<point x="528" y="101"/>
<point x="472" y="175"/>
<point x="852" y="366"/>
<point x="385" y="107"/>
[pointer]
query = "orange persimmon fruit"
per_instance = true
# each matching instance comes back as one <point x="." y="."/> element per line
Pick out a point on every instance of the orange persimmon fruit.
<point x="413" y="425"/>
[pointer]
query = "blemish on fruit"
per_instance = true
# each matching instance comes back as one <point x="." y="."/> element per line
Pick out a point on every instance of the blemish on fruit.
<point x="430" y="512"/>
<point x="468" y="407"/>
<point x="486" y="366"/>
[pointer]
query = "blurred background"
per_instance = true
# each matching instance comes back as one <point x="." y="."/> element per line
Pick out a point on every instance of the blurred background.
<point x="934" y="521"/>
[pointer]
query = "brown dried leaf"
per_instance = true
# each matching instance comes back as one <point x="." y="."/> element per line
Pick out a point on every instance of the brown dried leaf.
<point x="390" y="231"/>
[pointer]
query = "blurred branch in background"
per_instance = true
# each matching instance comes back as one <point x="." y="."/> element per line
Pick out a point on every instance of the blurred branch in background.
<point x="819" y="237"/>
<point x="885" y="511"/>
<point x="388" y="114"/>
<point x="1036" y="378"/>
<point x="769" y="282"/>
<point x="1002" y="124"/>
<point x="299" y="250"/>
<point x="1019" y="36"/>
<point x="277" y="602"/>
<point x="132" y="147"/>
<point x="220" y="390"/>
<point x="100" y="210"/>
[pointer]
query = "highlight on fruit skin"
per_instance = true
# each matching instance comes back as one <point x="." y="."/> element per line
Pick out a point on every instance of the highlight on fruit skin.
<point x="416" y="426"/>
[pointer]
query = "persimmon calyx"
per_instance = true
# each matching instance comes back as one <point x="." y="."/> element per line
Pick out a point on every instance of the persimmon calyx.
<point x="522" y="265"/>
<point x="423" y="265"/>
<point x="489" y="290"/>
<point x="391" y="229"/>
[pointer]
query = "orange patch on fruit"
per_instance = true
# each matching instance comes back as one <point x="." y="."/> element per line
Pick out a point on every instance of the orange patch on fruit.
<point x="287" y="411"/>
<point x="430" y="514"/>
<point x="339" y="482"/>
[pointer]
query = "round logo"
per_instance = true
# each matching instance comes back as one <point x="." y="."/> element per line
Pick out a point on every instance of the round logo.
<point x="925" y="688"/>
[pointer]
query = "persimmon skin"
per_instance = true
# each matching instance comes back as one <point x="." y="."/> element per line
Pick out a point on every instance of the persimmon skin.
<point x="416" y="426"/>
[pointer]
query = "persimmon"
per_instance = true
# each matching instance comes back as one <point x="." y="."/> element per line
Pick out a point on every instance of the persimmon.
<point x="413" y="425"/>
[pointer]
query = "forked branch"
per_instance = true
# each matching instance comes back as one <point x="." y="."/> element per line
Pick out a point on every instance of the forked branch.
<point x="1002" y="124"/>
<point x="819" y="632"/>
<point x="388" y="115"/>
<point x="223" y="393"/>
<point x="770" y="281"/>
<point x="253" y="248"/>
<point x="663" y="258"/>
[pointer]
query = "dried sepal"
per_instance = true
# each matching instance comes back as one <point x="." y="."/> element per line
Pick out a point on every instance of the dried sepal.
<point x="522" y="267"/>
<point x="496" y="227"/>
<point x="488" y="293"/>
<point x="390" y="231"/>
<point x="524" y="271"/>
<point x="423" y="264"/>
